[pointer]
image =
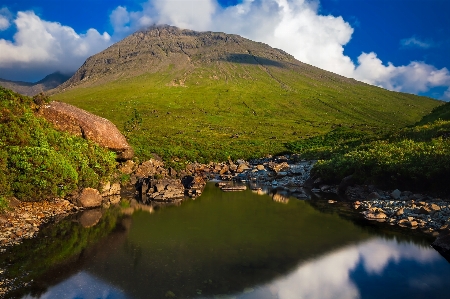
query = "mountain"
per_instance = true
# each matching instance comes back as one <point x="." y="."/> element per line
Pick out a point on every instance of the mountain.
<point x="30" y="89"/>
<point x="210" y="95"/>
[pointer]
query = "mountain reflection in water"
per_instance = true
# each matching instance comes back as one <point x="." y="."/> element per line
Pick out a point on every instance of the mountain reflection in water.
<point x="245" y="246"/>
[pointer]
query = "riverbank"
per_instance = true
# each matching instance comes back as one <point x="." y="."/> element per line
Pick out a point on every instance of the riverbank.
<point x="281" y="177"/>
<point x="24" y="219"/>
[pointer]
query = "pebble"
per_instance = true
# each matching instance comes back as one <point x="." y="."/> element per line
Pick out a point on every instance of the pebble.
<point x="24" y="220"/>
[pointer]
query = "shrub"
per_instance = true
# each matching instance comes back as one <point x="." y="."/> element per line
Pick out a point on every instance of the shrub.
<point x="37" y="161"/>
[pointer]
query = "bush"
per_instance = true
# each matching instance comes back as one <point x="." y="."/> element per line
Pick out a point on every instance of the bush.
<point x="37" y="161"/>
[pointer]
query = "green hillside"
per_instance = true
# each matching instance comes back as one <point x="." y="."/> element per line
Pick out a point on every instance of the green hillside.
<point x="208" y="96"/>
<point x="38" y="162"/>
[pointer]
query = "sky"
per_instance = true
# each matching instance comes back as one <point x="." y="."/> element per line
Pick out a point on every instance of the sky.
<point x="400" y="45"/>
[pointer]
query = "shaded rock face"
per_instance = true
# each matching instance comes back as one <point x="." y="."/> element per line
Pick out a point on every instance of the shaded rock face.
<point x="79" y="122"/>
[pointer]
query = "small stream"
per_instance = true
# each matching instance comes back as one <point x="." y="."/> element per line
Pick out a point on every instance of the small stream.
<point x="226" y="245"/>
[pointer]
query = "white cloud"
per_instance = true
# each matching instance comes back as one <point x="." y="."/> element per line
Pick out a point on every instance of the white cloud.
<point x="295" y="26"/>
<point x="415" y="77"/>
<point x="414" y="42"/>
<point x="47" y="46"/>
<point x="5" y="17"/>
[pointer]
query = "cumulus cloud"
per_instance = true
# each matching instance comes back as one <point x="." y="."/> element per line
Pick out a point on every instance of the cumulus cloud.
<point x="414" y="42"/>
<point x="5" y="16"/>
<point x="415" y="77"/>
<point x="40" y="47"/>
<point x="295" y="26"/>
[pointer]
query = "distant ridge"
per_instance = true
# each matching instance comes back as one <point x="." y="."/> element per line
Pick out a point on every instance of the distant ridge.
<point x="30" y="89"/>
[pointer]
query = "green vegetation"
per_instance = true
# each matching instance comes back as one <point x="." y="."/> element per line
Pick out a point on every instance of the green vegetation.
<point x="238" y="110"/>
<point x="416" y="158"/>
<point x="38" y="162"/>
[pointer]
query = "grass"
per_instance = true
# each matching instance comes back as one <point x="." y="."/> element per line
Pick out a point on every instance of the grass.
<point x="415" y="158"/>
<point x="38" y="162"/>
<point x="225" y="109"/>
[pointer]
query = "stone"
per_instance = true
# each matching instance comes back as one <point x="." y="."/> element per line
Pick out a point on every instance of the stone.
<point x="399" y="212"/>
<point x="373" y="196"/>
<point x="224" y="170"/>
<point x="434" y="207"/>
<point x="375" y="215"/>
<point x="115" y="189"/>
<point x="412" y="223"/>
<point x="148" y="168"/>
<point x="13" y="202"/>
<point x="114" y="199"/>
<point x="81" y="123"/>
<point x="345" y="183"/>
<point x="442" y="242"/>
<point x="127" y="167"/>
<point x="260" y="167"/>
<point x="424" y="210"/>
<point x="396" y="194"/>
<point x="89" y="198"/>
<point x="90" y="218"/>
<point x="104" y="188"/>
<point x="242" y="167"/>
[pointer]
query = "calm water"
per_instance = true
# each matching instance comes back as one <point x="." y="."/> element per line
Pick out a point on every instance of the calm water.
<point x="227" y="245"/>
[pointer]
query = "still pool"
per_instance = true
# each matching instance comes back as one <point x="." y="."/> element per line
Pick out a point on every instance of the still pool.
<point x="226" y="245"/>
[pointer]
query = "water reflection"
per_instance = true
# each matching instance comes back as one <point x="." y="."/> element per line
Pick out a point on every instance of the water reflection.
<point x="395" y="269"/>
<point x="333" y="275"/>
<point x="82" y="285"/>
<point x="228" y="245"/>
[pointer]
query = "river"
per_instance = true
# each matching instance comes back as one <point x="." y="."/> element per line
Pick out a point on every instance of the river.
<point x="226" y="245"/>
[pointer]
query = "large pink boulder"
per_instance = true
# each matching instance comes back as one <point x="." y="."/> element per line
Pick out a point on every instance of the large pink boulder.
<point x="79" y="122"/>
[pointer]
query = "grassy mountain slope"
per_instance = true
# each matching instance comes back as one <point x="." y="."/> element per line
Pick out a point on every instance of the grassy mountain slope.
<point x="206" y="96"/>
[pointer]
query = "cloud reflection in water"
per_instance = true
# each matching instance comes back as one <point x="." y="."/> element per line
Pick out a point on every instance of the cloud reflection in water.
<point x="330" y="276"/>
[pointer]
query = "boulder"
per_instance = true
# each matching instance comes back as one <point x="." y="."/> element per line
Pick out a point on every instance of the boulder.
<point x="127" y="167"/>
<point x="89" y="198"/>
<point x="396" y="194"/>
<point x="373" y="196"/>
<point x="375" y="215"/>
<point x="345" y="183"/>
<point x="442" y="244"/>
<point x="149" y="168"/>
<point x="81" y="123"/>
<point x="260" y="167"/>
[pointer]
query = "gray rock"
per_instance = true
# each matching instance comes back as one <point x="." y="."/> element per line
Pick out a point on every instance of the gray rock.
<point x="396" y="194"/>
<point x="373" y="196"/>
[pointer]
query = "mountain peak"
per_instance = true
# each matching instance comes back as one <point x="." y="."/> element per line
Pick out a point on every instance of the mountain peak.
<point x="157" y="47"/>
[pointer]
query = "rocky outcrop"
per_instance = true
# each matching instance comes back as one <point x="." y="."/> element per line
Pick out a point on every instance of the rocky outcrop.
<point x="79" y="122"/>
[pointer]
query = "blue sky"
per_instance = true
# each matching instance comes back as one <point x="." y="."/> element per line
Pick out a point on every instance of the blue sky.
<point x="401" y="45"/>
